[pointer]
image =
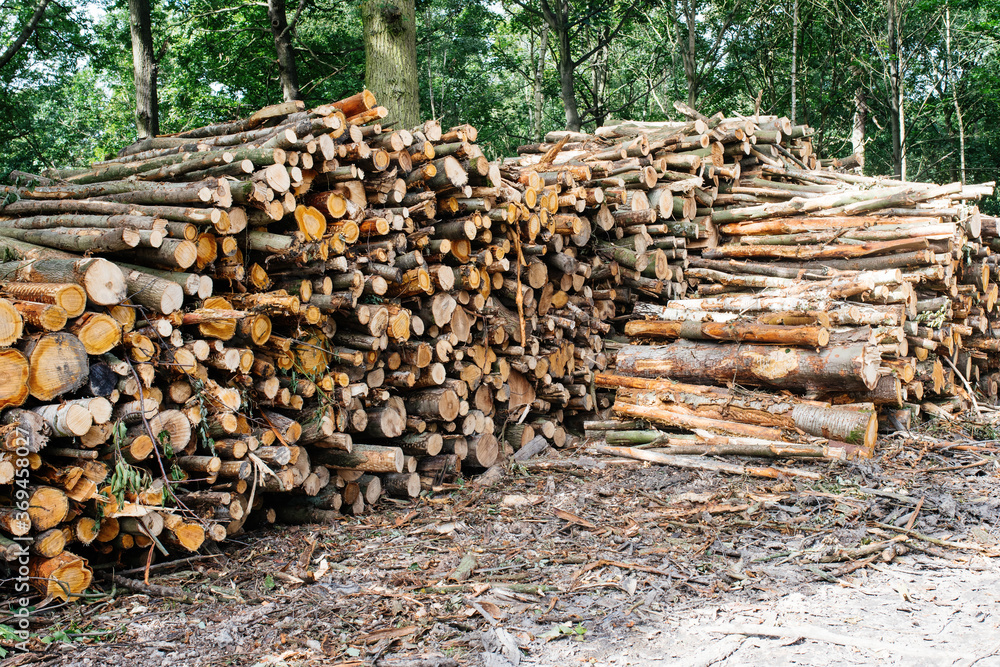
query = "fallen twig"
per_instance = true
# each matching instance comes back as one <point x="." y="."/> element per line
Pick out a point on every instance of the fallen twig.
<point x="701" y="463"/>
<point x="932" y="540"/>
<point x="153" y="590"/>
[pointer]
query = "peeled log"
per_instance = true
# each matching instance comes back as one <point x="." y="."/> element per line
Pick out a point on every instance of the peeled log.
<point x="748" y="332"/>
<point x="69" y="296"/>
<point x="43" y="316"/>
<point x="847" y="367"/>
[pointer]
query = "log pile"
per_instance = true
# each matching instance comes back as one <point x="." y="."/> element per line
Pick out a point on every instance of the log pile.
<point x="837" y="297"/>
<point x="287" y="316"/>
<point x="278" y="318"/>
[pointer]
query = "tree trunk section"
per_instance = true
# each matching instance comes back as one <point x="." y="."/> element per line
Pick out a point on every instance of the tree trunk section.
<point x="391" y="58"/>
<point x="848" y="367"/>
<point x="147" y="111"/>
<point x="282" y="33"/>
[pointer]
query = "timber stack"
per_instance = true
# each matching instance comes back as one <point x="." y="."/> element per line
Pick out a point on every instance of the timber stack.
<point x="277" y="318"/>
<point x="840" y="299"/>
<point x="286" y="316"/>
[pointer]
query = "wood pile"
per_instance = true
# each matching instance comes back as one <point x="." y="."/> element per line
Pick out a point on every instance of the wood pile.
<point x="817" y="302"/>
<point x="288" y="316"/>
<point x="279" y="317"/>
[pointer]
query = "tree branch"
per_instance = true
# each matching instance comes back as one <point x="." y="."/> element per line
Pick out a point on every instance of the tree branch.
<point x="298" y="13"/>
<point x="604" y="41"/>
<point x="25" y="34"/>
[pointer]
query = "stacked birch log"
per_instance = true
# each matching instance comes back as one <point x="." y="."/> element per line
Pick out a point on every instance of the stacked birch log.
<point x="274" y="318"/>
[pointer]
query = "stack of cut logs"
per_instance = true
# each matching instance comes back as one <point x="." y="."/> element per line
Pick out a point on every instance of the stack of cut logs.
<point x="274" y="318"/>
<point x="851" y="295"/>
<point x="286" y="316"/>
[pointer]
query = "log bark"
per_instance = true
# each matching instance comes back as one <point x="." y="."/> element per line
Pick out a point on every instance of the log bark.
<point x="852" y="426"/>
<point x="369" y="458"/>
<point x="852" y="367"/>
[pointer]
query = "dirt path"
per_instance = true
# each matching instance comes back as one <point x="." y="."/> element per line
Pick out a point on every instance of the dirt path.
<point x="911" y="613"/>
<point x="600" y="563"/>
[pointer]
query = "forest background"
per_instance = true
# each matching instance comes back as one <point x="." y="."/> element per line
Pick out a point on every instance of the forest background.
<point x="912" y="86"/>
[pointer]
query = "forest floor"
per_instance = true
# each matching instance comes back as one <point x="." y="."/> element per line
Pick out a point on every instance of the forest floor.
<point x="580" y="559"/>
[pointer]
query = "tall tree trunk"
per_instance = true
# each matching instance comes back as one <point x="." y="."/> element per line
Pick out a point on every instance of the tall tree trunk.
<point x="538" y="79"/>
<point x="147" y="107"/>
<point x="600" y="78"/>
<point x="556" y="16"/>
<point x="795" y="55"/>
<point x="897" y="120"/>
<point x="568" y="94"/>
<point x="953" y="84"/>
<point x="858" y="130"/>
<point x="690" y="53"/>
<point x="282" y="33"/>
<point x="391" y="58"/>
<point x="566" y="66"/>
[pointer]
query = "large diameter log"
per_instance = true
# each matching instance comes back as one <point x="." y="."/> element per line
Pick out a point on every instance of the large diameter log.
<point x="483" y="451"/>
<point x="65" y="576"/>
<point x="368" y="458"/>
<point x="841" y="367"/>
<point x="103" y="282"/>
<point x="853" y="426"/>
<point x="751" y="333"/>
<point x="47" y="507"/>
<point x="58" y="365"/>
<point x="98" y="332"/>
<point x="385" y="422"/>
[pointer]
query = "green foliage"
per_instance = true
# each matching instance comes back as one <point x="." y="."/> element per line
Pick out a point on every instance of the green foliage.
<point x="127" y="479"/>
<point x="66" y="98"/>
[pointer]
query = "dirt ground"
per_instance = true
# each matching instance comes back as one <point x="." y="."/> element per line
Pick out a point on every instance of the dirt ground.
<point x="580" y="559"/>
